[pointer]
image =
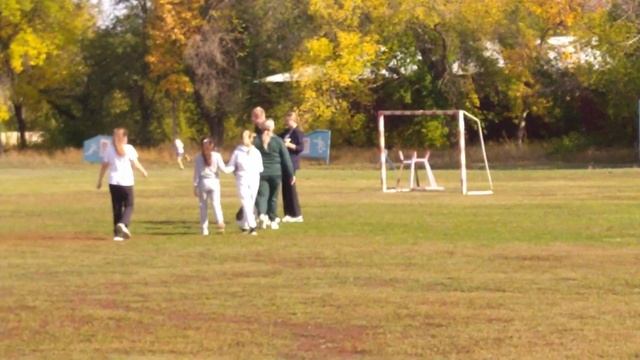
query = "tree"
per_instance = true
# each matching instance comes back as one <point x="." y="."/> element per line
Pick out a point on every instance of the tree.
<point x="211" y="57"/>
<point x="172" y="24"/>
<point x="36" y="37"/>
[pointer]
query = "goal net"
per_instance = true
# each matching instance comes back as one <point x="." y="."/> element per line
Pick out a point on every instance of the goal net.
<point x="463" y="118"/>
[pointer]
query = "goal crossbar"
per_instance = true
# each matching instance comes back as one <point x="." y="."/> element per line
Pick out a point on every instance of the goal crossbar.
<point x="461" y="115"/>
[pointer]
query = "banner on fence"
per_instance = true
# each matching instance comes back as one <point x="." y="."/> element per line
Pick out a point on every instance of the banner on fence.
<point x="317" y="145"/>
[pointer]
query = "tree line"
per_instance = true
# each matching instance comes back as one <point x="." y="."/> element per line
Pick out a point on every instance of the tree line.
<point x="532" y="69"/>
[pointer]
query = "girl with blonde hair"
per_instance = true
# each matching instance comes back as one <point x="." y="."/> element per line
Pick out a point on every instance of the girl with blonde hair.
<point x="119" y="159"/>
<point x="276" y="163"/>
<point x="294" y="141"/>
<point x="246" y="163"/>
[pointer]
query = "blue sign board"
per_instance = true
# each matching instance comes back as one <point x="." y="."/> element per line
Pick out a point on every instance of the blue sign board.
<point x="317" y="145"/>
<point x="93" y="149"/>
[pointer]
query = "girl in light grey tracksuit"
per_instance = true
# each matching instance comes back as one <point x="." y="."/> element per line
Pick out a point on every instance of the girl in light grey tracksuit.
<point x="206" y="184"/>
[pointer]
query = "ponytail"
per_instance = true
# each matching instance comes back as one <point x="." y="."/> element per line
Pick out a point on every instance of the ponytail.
<point x="206" y="146"/>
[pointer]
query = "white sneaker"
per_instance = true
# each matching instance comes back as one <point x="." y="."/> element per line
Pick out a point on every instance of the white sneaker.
<point x="122" y="229"/>
<point x="274" y="225"/>
<point x="277" y="220"/>
<point x="118" y="238"/>
<point x="286" y="219"/>
<point x="205" y="231"/>
<point x="264" y="221"/>
<point x="298" y="219"/>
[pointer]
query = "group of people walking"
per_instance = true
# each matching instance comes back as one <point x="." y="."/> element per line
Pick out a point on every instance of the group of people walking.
<point x="262" y="163"/>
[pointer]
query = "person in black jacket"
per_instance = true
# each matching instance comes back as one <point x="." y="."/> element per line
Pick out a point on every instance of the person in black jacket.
<point x="293" y="140"/>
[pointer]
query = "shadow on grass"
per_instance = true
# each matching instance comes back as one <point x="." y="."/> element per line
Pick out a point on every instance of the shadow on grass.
<point x="170" y="227"/>
<point x="175" y="233"/>
<point x="157" y="223"/>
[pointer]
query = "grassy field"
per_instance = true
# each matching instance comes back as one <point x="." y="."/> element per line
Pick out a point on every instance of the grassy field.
<point x="549" y="267"/>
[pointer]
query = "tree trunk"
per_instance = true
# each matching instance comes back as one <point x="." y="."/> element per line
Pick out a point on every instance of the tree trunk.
<point x="215" y="120"/>
<point x="145" y="99"/>
<point x="522" y="129"/>
<point x="174" y="118"/>
<point x="1" y="144"/>
<point x="143" y="135"/>
<point x="22" y="125"/>
<point x="214" y="117"/>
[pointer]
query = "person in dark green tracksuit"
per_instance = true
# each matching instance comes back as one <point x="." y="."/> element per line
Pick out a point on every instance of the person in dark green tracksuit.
<point x="276" y="161"/>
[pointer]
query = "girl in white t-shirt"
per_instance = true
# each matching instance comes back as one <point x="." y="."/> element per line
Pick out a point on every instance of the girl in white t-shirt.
<point x="246" y="163"/>
<point x="180" y="154"/>
<point x="119" y="159"/>
<point x="206" y="184"/>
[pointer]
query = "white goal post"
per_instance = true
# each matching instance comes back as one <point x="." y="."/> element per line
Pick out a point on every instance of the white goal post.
<point x="461" y="117"/>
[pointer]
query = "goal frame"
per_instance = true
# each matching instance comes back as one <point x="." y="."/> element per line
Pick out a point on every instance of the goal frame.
<point x="461" y="116"/>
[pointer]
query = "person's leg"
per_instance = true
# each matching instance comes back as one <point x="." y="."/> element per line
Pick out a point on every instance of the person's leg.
<point x="239" y="213"/>
<point x="204" y="216"/>
<point x="248" y="203"/>
<point x="116" y="206"/>
<point x="286" y="196"/>
<point x="294" y="205"/>
<point x="240" y="220"/>
<point x="274" y="187"/>
<point x="128" y="200"/>
<point x="262" y="198"/>
<point x="217" y="206"/>
<point x="295" y="202"/>
<point x="179" y="157"/>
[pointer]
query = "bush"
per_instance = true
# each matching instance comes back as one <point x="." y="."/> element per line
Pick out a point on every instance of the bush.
<point x="569" y="144"/>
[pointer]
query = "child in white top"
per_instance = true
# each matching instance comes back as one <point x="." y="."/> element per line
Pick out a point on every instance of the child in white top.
<point x="180" y="154"/>
<point x="119" y="158"/>
<point x="206" y="184"/>
<point x="246" y="163"/>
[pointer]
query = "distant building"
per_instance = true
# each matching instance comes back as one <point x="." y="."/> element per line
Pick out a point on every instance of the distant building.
<point x="12" y="138"/>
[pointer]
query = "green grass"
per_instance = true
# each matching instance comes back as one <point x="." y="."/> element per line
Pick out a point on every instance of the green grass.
<point x="546" y="268"/>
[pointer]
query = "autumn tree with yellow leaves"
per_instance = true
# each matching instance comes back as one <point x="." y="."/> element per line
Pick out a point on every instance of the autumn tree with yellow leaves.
<point x="39" y="48"/>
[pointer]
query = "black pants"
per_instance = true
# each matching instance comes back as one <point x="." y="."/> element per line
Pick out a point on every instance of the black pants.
<point x="290" y="198"/>
<point x="122" y="203"/>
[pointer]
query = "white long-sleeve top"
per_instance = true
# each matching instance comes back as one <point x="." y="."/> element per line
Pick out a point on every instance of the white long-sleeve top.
<point x="246" y="162"/>
<point x="203" y="173"/>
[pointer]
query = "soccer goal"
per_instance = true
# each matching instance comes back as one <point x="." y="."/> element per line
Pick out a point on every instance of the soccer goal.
<point x="462" y="118"/>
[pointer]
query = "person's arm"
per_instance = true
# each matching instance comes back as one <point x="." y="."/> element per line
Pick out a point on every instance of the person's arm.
<point x="103" y="170"/>
<point x="258" y="159"/>
<point x="231" y="165"/>
<point x="196" y="174"/>
<point x="222" y="166"/>
<point x="296" y="145"/>
<point x="287" y="165"/>
<point x="133" y="156"/>
<point x="140" y="168"/>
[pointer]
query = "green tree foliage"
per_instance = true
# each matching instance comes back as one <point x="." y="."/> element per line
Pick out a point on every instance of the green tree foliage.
<point x="531" y="68"/>
<point x="39" y="54"/>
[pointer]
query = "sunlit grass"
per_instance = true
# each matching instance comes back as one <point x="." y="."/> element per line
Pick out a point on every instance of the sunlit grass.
<point x="547" y="267"/>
